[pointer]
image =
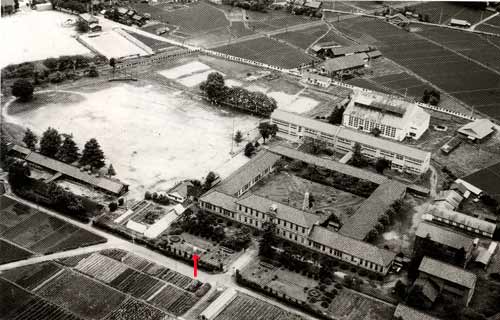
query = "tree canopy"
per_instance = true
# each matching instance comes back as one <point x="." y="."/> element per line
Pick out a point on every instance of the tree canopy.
<point x="50" y="142"/>
<point x="336" y="115"/>
<point x="249" y="149"/>
<point x="358" y="159"/>
<point x="30" y="139"/>
<point x="68" y="152"/>
<point x="92" y="155"/>
<point x="214" y="87"/>
<point x="267" y="130"/>
<point x="23" y="90"/>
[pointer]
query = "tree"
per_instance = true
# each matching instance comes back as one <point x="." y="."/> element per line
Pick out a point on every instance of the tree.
<point x="93" y="73"/>
<point x="358" y="160"/>
<point x="372" y="235"/>
<point x="336" y="115"/>
<point x="249" y="149"/>
<point x="50" y="142"/>
<point x="431" y="97"/>
<point x="238" y="137"/>
<point x="68" y="152"/>
<point x="23" y="90"/>
<point x="111" y="171"/>
<point x="92" y="155"/>
<point x="214" y="87"/>
<point x="385" y="219"/>
<point x="400" y="290"/>
<point x="19" y="175"/>
<point x="209" y="180"/>
<point x="376" y="131"/>
<point x="267" y="130"/>
<point x="30" y="139"/>
<point x="268" y="239"/>
<point x="416" y="297"/>
<point x="82" y="26"/>
<point x="382" y="164"/>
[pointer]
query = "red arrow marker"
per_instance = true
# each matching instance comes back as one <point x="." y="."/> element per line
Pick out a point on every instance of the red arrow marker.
<point x="195" y="261"/>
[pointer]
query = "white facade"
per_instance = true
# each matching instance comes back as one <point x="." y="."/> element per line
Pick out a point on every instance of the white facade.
<point x="403" y="158"/>
<point x="396" y="119"/>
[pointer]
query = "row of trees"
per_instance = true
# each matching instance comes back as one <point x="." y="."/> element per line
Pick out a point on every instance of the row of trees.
<point x="63" y="147"/>
<point x="217" y="92"/>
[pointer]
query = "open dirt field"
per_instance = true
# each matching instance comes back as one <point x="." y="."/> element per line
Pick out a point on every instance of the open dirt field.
<point x="153" y="137"/>
<point x="26" y="34"/>
<point x="440" y="66"/>
<point x="112" y="44"/>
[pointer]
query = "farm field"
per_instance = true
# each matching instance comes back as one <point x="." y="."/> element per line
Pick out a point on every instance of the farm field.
<point x="349" y="305"/>
<point x="478" y="47"/>
<point x="268" y="51"/>
<point x="441" y="67"/>
<point x="30" y="277"/>
<point x="38" y="232"/>
<point x="244" y="307"/>
<point x="238" y="29"/>
<point x="10" y="252"/>
<point x="402" y="83"/>
<point x="364" y="83"/>
<point x="154" y="44"/>
<point x="492" y="25"/>
<point x="332" y="36"/>
<point x="151" y="134"/>
<point x="274" y="20"/>
<point x="290" y="189"/>
<point x="303" y="38"/>
<point x="443" y="12"/>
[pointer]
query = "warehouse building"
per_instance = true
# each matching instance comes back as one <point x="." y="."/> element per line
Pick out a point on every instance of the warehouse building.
<point x="295" y="127"/>
<point x="394" y="118"/>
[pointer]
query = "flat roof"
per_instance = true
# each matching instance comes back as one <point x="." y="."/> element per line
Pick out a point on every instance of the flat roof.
<point x="350" y="134"/>
<point x="448" y="272"/>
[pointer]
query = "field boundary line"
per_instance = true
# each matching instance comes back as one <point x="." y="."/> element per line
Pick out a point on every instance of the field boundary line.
<point x="157" y="292"/>
<point x="49" y="279"/>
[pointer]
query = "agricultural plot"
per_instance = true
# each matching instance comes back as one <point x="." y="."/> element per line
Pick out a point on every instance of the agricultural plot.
<point x="273" y="20"/>
<point x="82" y="296"/>
<point x="132" y="309"/>
<point x="332" y="36"/>
<point x="303" y="38"/>
<point x="364" y="83"/>
<point x="174" y="300"/>
<point x="439" y="66"/>
<point x="238" y="29"/>
<point x="349" y="305"/>
<point x="11" y="253"/>
<point x="443" y="12"/>
<point x="244" y="307"/>
<point x="492" y="25"/>
<point x="478" y="47"/>
<point x="402" y="83"/>
<point x="154" y="44"/>
<point x="30" y="277"/>
<point x="268" y="51"/>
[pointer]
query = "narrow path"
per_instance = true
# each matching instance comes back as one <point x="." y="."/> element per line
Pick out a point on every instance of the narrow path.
<point x="473" y="27"/>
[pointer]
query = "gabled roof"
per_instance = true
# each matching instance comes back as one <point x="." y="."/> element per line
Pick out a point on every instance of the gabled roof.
<point x="444" y="236"/>
<point x="429" y="288"/>
<point x="368" y="214"/>
<point x="478" y="129"/>
<point x="448" y="272"/>
<point x="350" y="134"/>
<point x="236" y="181"/>
<point x="351" y="246"/>
<point x="283" y="212"/>
<point x="220" y="199"/>
<point x="351" y="49"/>
<point x="182" y="188"/>
<point x="344" y="63"/>
<point x="485" y="180"/>
<point x="462" y="218"/>
<point x="407" y="313"/>
<point x="451" y="197"/>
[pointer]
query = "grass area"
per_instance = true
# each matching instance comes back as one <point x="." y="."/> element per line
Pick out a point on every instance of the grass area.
<point x="349" y="305"/>
<point x="43" y="98"/>
<point x="486" y="297"/>
<point x="290" y="189"/>
<point x="268" y="51"/>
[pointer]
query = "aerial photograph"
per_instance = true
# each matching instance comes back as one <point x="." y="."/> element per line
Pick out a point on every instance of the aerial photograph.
<point x="249" y="160"/>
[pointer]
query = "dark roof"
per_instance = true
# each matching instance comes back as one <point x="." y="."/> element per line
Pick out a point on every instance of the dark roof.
<point x="232" y="184"/>
<point x="329" y="164"/>
<point x="344" y="63"/>
<point x="351" y="49"/>
<point x="104" y="183"/>
<point x="351" y="246"/>
<point x="487" y="180"/>
<point x="182" y="188"/>
<point x="368" y="214"/>
<point x="283" y="212"/>
<point x="429" y="288"/>
<point x="444" y="236"/>
<point x="448" y="272"/>
<point x="220" y="199"/>
<point x="407" y="313"/>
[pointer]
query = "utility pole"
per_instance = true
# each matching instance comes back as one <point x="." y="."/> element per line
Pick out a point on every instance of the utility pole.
<point x="440" y="15"/>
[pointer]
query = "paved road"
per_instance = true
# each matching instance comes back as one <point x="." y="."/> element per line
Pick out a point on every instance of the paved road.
<point x="224" y="279"/>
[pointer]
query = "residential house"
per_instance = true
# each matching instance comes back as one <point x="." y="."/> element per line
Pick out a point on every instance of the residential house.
<point x="477" y="130"/>
<point x="180" y="192"/>
<point x="449" y="279"/>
